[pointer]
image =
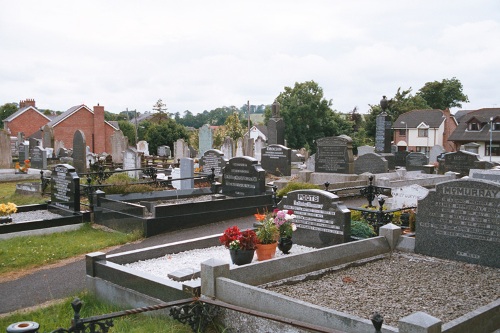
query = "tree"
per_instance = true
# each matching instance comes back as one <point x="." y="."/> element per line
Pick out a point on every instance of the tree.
<point x="161" y="114"/>
<point x="7" y="109"/>
<point x="164" y="133"/>
<point x="308" y="116"/>
<point x="128" y="130"/>
<point x="444" y="94"/>
<point x="233" y="127"/>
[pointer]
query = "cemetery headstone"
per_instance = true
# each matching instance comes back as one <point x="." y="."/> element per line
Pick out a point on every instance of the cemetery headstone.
<point x="131" y="160"/>
<point x="213" y="158"/>
<point x="181" y="150"/>
<point x="362" y="150"/>
<point x="276" y="126"/>
<point x="239" y="147"/>
<point x="372" y="163"/>
<point x="79" y="152"/>
<point x="227" y="147"/>
<point x="484" y="165"/>
<point x="205" y="136"/>
<point x="62" y="152"/>
<point x="163" y="151"/>
<point x="459" y="220"/>
<point x="176" y="175"/>
<point x="23" y="151"/>
<point x="65" y="187"/>
<point x="277" y="160"/>
<point x="39" y="158"/>
<point x="187" y="173"/>
<point x="5" y="150"/>
<point x="460" y="162"/>
<point x="334" y="155"/>
<point x="416" y="161"/>
<point x="48" y="137"/>
<point x="407" y="196"/>
<point x="249" y="146"/>
<point x="119" y="143"/>
<point x="259" y="145"/>
<point x="435" y="152"/>
<point x="320" y="217"/>
<point x="243" y="176"/>
<point x="400" y="158"/>
<point x="383" y="133"/>
<point x="143" y="147"/>
<point x="491" y="175"/>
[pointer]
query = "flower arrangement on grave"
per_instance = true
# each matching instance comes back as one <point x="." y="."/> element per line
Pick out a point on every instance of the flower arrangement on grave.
<point x="284" y="221"/>
<point x="267" y="230"/>
<point x="6" y="210"/>
<point x="241" y="244"/>
<point x="23" y="168"/>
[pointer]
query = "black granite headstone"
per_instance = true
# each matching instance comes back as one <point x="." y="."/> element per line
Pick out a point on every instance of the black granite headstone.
<point x="277" y="160"/>
<point x="276" y="131"/>
<point x="460" y="220"/>
<point x="334" y="155"/>
<point x="23" y="152"/>
<point x="416" y="161"/>
<point x="79" y="152"/>
<point x="320" y="217"/>
<point x="400" y="158"/>
<point x="460" y="161"/>
<point x="370" y="162"/>
<point x="213" y="158"/>
<point x="39" y="158"/>
<point x="65" y="187"/>
<point x="243" y="176"/>
<point x="383" y="133"/>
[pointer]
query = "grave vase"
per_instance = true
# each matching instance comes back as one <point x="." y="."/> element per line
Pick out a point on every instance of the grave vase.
<point x="5" y="219"/>
<point x="266" y="251"/>
<point x="285" y="244"/>
<point x="241" y="257"/>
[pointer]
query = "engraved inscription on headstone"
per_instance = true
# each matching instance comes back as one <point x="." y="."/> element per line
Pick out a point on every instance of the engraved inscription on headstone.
<point x="460" y="161"/>
<point x="459" y="220"/>
<point x="276" y="160"/>
<point x="383" y="133"/>
<point x="39" y="158"/>
<point x="370" y="162"/>
<point x="416" y="161"/>
<point x="320" y="217"/>
<point x="65" y="187"/>
<point x="492" y="175"/>
<point x="243" y="176"/>
<point x="407" y="196"/>
<point x="213" y="158"/>
<point x="334" y="155"/>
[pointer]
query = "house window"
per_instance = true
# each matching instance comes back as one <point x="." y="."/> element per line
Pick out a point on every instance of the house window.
<point x="496" y="126"/>
<point x="423" y="132"/>
<point x="424" y="150"/>
<point x="473" y="127"/>
<point x="402" y="132"/>
<point x="495" y="149"/>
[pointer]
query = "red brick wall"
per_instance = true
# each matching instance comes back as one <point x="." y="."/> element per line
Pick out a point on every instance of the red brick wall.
<point x="449" y="126"/>
<point x="83" y="120"/>
<point x="100" y="136"/>
<point x="28" y="122"/>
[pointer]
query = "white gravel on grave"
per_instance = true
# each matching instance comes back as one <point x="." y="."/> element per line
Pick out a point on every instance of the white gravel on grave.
<point x="33" y="215"/>
<point x="192" y="259"/>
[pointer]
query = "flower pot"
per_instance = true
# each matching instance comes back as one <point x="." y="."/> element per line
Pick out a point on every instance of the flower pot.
<point x="266" y="251"/>
<point x="241" y="257"/>
<point x="5" y="219"/>
<point x="285" y="244"/>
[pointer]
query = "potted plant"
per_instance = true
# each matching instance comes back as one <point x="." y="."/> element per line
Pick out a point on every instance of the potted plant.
<point x="284" y="221"/>
<point x="241" y="244"/>
<point x="267" y="237"/>
<point x="5" y="211"/>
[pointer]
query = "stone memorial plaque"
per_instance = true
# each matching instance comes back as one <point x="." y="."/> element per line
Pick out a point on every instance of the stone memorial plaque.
<point x="320" y="217"/>
<point x="416" y="161"/>
<point x="492" y="175"/>
<point x="370" y="162"/>
<point x="407" y="196"/>
<point x="334" y="155"/>
<point x="460" y="220"/>
<point x="39" y="158"/>
<point x="65" y="187"/>
<point x="243" y="176"/>
<point x="460" y="161"/>
<point x="79" y="152"/>
<point x="277" y="160"/>
<point x="213" y="158"/>
<point x="383" y="133"/>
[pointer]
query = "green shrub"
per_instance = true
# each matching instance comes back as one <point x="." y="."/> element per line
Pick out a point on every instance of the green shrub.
<point x="362" y="229"/>
<point x="293" y="186"/>
<point x="122" y="184"/>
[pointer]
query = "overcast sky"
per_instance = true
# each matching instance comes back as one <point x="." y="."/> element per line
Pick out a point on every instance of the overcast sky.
<point x="199" y="55"/>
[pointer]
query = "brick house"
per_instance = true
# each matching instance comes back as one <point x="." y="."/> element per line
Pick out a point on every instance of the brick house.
<point x="27" y="119"/>
<point x="97" y="131"/>
<point x="420" y="130"/>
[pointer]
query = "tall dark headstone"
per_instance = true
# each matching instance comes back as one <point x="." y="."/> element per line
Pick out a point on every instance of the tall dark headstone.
<point x="459" y="220"/>
<point x="243" y="176"/>
<point x="320" y="217"/>
<point x="23" y="151"/>
<point x="79" y="152"/>
<point x="334" y="155"/>
<point x="213" y="158"/>
<point x="65" y="187"/>
<point x="276" y="127"/>
<point x="277" y="160"/>
<point x="400" y="158"/>
<point x="383" y="133"/>
<point x="39" y="158"/>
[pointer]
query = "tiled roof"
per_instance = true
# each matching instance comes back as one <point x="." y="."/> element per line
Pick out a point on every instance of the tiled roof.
<point x="459" y="114"/>
<point x="461" y="134"/>
<point x="21" y="111"/>
<point x="434" y="118"/>
<point x="66" y="114"/>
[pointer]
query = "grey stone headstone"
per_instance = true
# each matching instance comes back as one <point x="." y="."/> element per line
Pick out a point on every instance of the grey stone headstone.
<point x="383" y="133"/>
<point x="62" y="152"/>
<point x="206" y="139"/>
<point x="460" y="161"/>
<point x="143" y="147"/>
<point x="39" y="158"/>
<point x="277" y="160"/>
<point x="249" y="147"/>
<point x="407" y="196"/>
<point x="416" y="161"/>
<point x="32" y="144"/>
<point x="119" y="143"/>
<point x="131" y="160"/>
<point x="276" y="131"/>
<point x="485" y="165"/>
<point x="23" y="151"/>
<point x="243" y="176"/>
<point x="48" y="137"/>
<point x="163" y="151"/>
<point x="320" y="217"/>
<point x="187" y="173"/>
<point x="213" y="158"/>
<point x="435" y="152"/>
<point x="365" y="150"/>
<point x="491" y="175"/>
<point x="334" y="155"/>
<point x="181" y="150"/>
<point x="5" y="151"/>
<point x="239" y="147"/>
<point x="228" y="147"/>
<point x="400" y="158"/>
<point x="459" y="220"/>
<point x="372" y="163"/>
<point x="79" y="152"/>
<point x="259" y="145"/>
<point x="65" y="187"/>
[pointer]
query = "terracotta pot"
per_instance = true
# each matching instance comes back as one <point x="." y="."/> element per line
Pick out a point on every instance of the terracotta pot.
<point x="266" y="251"/>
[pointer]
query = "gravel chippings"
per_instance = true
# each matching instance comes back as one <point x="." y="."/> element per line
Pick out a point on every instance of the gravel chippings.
<point x="400" y="285"/>
<point x="33" y="215"/>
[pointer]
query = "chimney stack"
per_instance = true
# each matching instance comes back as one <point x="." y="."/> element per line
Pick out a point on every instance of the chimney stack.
<point x="27" y="102"/>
